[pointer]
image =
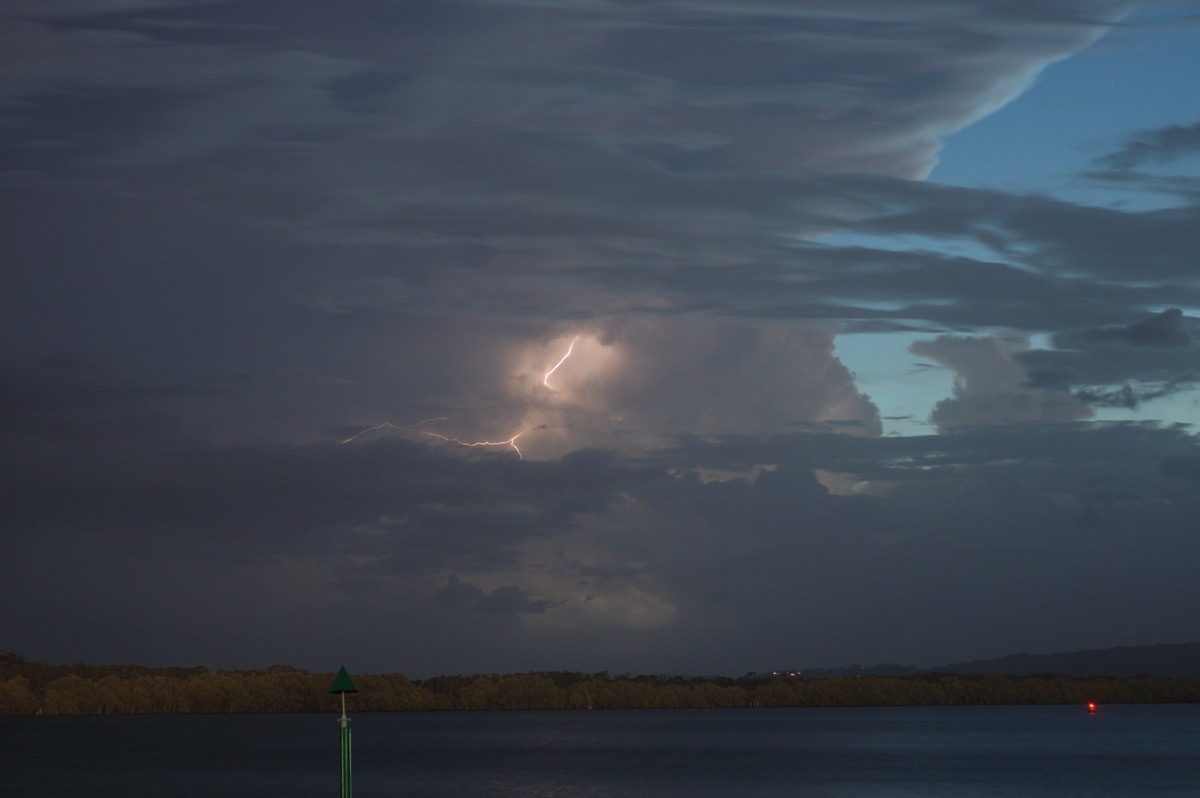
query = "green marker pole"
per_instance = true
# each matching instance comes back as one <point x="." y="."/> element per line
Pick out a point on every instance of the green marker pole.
<point x="344" y="684"/>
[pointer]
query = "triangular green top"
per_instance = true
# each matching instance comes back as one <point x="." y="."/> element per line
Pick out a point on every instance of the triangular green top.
<point x="342" y="683"/>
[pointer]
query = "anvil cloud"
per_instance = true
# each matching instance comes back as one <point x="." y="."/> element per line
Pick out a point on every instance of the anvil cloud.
<point x="268" y="266"/>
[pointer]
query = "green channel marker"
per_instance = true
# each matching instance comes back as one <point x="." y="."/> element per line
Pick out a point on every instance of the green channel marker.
<point x="343" y="684"/>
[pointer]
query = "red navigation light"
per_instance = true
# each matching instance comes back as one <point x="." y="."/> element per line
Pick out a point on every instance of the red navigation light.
<point x="1091" y="707"/>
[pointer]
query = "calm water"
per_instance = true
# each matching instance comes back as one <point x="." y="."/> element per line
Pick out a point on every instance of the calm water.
<point x="818" y="753"/>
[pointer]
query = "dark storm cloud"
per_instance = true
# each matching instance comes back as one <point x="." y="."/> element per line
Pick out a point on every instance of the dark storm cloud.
<point x="668" y="155"/>
<point x="966" y="511"/>
<point x="1162" y="145"/>
<point x="117" y="97"/>
<point x="85" y="458"/>
<point x="501" y="601"/>
<point x="656" y="546"/>
<point x="310" y="250"/>
<point x="1168" y="328"/>
<point x="1131" y="398"/>
<point x="1042" y="234"/>
<point x="1182" y="466"/>
<point x="668" y="148"/>
<point x="60" y="399"/>
<point x="93" y="8"/>
<point x="511" y="599"/>
<point x="457" y="592"/>
<point x="1121" y="365"/>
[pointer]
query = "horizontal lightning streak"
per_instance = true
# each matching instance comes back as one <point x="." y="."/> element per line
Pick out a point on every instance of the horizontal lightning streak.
<point x="390" y="425"/>
<point x="510" y="442"/>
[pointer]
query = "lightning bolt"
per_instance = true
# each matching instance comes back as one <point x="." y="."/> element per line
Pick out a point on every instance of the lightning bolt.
<point x="510" y="442"/>
<point x="570" y="349"/>
<point x="390" y="425"/>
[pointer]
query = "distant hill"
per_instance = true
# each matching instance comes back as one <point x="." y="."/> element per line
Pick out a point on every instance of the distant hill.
<point x="1182" y="659"/>
<point x="882" y="669"/>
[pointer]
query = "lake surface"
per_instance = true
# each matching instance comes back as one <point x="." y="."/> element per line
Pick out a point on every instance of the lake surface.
<point x="813" y="753"/>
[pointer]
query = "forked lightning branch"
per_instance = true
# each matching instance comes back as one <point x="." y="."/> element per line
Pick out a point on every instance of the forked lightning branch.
<point x="511" y="442"/>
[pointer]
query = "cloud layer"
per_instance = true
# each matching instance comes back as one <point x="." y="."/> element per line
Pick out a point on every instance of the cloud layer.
<point x="499" y="335"/>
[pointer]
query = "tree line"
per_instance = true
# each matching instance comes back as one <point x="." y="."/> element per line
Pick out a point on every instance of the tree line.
<point x="33" y="688"/>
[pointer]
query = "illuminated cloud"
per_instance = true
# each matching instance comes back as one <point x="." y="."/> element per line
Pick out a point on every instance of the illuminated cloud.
<point x="630" y="386"/>
<point x="990" y="387"/>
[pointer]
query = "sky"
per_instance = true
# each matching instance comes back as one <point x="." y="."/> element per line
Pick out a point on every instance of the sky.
<point x="672" y="336"/>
